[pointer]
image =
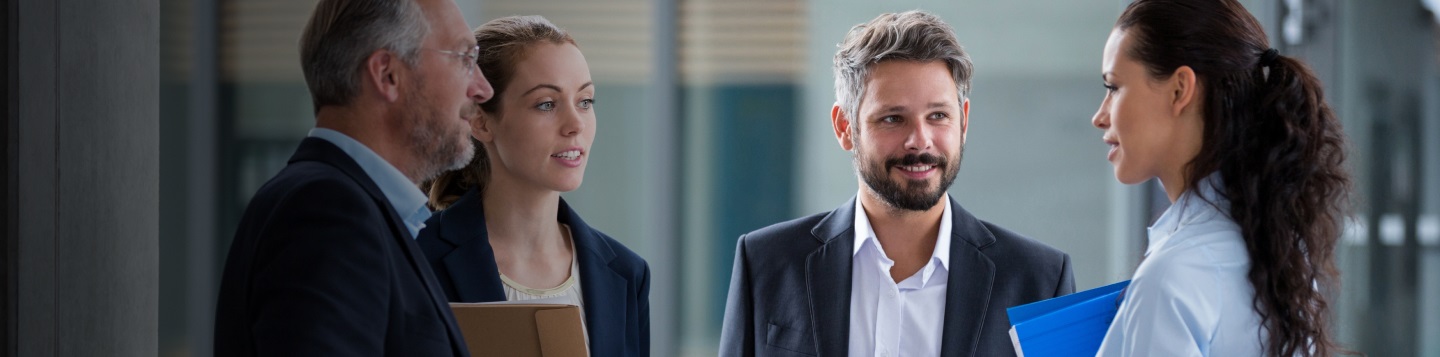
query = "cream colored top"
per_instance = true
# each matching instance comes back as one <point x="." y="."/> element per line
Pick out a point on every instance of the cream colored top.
<point x="568" y="291"/>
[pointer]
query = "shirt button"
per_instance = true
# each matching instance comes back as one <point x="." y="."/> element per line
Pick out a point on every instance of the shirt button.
<point x="890" y="293"/>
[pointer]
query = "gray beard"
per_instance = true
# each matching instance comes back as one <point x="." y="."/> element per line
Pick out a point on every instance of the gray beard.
<point x="435" y="150"/>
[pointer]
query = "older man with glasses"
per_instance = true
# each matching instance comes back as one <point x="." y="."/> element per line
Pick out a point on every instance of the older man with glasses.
<point x="324" y="262"/>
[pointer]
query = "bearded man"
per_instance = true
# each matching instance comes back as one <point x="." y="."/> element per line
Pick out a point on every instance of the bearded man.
<point x="902" y="269"/>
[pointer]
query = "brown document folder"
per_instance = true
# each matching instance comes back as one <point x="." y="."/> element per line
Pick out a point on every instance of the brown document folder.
<point x="521" y="330"/>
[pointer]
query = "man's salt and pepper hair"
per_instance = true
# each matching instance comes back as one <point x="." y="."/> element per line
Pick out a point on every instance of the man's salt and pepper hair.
<point x="341" y="34"/>
<point x="910" y="36"/>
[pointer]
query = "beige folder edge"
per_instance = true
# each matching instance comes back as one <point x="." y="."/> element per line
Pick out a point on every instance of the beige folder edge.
<point x="521" y="329"/>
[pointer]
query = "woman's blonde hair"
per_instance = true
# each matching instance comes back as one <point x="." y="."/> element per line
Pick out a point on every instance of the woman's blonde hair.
<point x="502" y="42"/>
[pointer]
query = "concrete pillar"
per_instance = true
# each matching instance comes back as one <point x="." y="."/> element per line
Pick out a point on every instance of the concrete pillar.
<point x="82" y="178"/>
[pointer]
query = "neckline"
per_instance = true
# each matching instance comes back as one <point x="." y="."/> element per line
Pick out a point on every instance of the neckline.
<point x="558" y="289"/>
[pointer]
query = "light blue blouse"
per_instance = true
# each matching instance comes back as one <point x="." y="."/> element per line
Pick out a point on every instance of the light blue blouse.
<point x="1191" y="295"/>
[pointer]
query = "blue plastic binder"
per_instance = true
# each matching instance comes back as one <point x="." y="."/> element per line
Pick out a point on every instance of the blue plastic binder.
<point x="1070" y="325"/>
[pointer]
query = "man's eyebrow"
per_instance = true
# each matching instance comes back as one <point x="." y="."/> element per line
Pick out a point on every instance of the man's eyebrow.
<point x="467" y="41"/>
<point x="894" y="109"/>
<point x="901" y="108"/>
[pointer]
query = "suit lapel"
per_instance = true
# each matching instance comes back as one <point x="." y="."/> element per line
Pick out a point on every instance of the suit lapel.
<point x="604" y="291"/>
<point x="827" y="280"/>
<point x="474" y="274"/>
<point x="967" y="295"/>
<point x="320" y="150"/>
<point x="433" y="287"/>
<point x="471" y="264"/>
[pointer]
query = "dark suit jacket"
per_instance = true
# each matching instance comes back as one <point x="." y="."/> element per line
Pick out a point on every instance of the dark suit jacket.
<point x="790" y="288"/>
<point x="614" y="281"/>
<point x="322" y="265"/>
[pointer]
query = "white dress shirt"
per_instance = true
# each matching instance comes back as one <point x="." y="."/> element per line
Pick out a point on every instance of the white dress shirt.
<point x="1191" y="295"/>
<point x="404" y="196"/>
<point x="889" y="319"/>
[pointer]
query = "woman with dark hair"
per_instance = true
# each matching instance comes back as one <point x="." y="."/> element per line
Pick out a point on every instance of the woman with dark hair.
<point x="1251" y="157"/>
<point x="503" y="233"/>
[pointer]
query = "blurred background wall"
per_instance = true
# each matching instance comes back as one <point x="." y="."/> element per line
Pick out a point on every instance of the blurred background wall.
<point x="713" y="120"/>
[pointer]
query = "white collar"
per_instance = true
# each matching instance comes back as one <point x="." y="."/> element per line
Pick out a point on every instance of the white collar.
<point x="864" y="232"/>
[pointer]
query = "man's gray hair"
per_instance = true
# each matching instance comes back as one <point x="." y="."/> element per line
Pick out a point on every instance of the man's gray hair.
<point x="341" y="34"/>
<point x="912" y="35"/>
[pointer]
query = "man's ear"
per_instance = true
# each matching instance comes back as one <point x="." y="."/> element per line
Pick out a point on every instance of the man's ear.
<point x="381" y="69"/>
<point x="964" y="119"/>
<point x="841" y="124"/>
<point x="1184" y="88"/>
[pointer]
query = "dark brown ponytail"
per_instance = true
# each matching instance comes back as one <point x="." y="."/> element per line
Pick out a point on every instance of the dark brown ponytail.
<point x="1278" y="147"/>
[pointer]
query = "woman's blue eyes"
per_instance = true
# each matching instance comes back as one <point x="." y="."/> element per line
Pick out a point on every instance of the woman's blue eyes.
<point x="550" y="105"/>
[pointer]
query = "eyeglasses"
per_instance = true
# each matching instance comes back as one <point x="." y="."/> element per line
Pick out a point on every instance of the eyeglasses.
<point x="467" y="58"/>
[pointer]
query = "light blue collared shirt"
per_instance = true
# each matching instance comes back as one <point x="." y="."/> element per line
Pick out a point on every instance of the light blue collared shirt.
<point x="1191" y="297"/>
<point x="404" y="196"/>
<point x="890" y="319"/>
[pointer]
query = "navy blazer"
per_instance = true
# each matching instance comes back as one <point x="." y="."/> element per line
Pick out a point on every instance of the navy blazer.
<point x="614" y="281"/>
<point x="322" y="265"/>
<point x="790" y="287"/>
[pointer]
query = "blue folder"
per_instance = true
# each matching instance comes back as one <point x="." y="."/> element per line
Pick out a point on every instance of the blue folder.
<point x="1070" y="325"/>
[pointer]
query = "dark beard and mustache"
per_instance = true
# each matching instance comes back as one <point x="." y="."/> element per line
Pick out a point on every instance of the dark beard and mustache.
<point x="914" y="196"/>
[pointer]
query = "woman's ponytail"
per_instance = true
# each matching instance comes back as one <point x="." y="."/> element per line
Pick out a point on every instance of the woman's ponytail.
<point x="1278" y="148"/>
<point x="1289" y="192"/>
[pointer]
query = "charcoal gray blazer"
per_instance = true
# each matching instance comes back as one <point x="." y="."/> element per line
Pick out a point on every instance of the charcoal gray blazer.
<point x="790" y="287"/>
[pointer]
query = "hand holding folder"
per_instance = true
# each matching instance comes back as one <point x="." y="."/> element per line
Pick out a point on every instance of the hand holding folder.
<point x="1070" y="325"/>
